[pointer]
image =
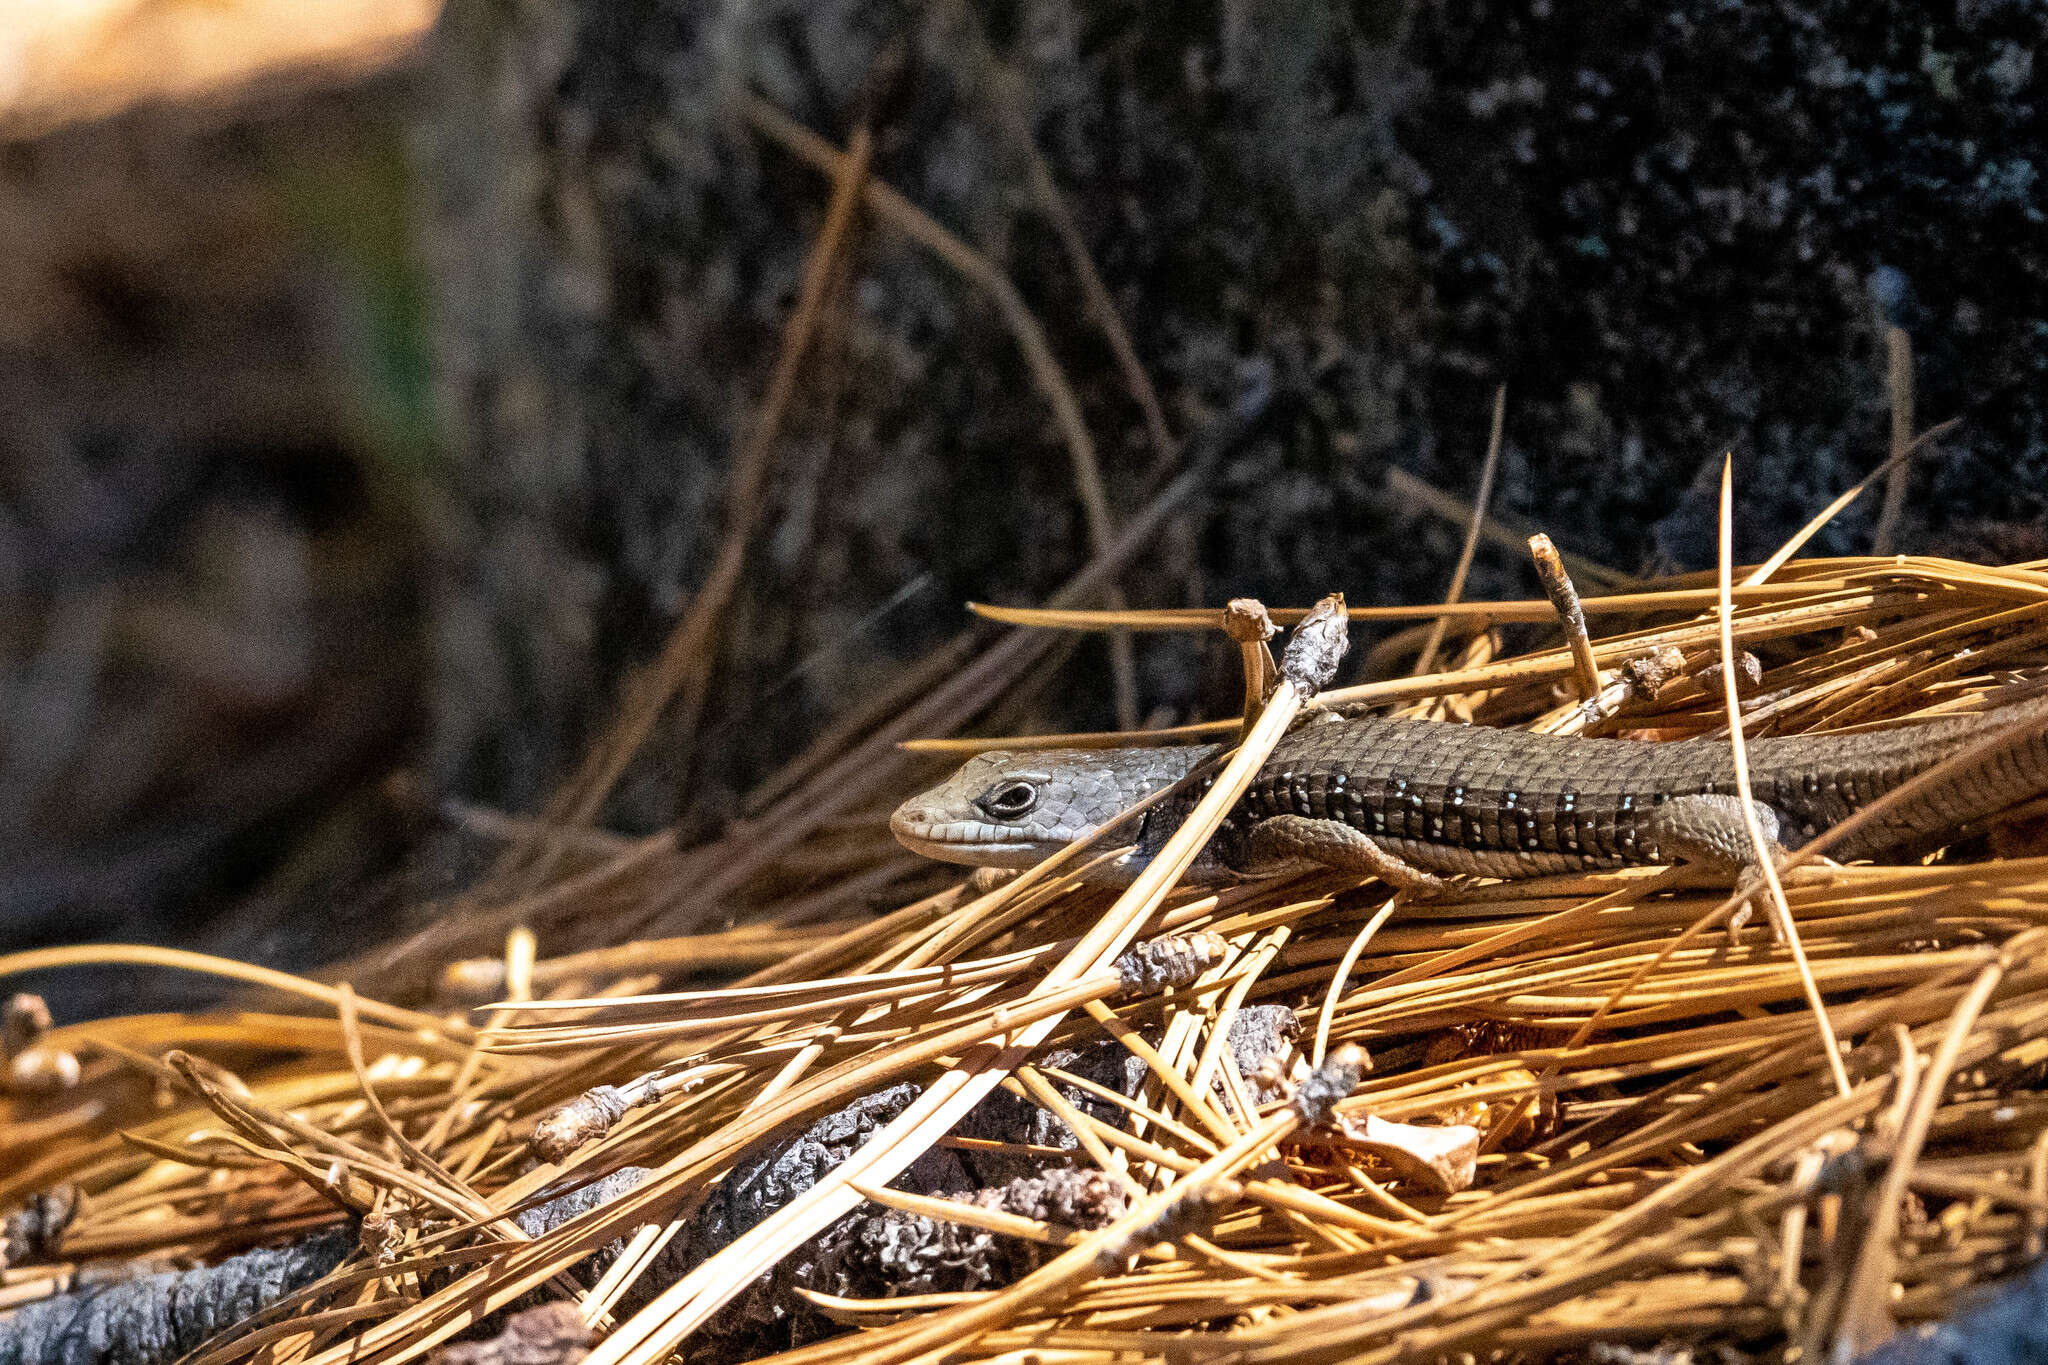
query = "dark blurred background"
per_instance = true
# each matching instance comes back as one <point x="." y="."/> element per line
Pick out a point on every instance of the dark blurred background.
<point x="370" y="380"/>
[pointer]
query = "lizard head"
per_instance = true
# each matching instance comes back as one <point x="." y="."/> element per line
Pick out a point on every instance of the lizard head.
<point x="1007" y="809"/>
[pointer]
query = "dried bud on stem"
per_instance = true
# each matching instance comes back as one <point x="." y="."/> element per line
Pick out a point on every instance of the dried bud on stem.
<point x="568" y="1126"/>
<point x="1245" y="620"/>
<point x="1317" y="646"/>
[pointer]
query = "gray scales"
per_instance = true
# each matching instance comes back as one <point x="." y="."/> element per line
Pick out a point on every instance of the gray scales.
<point x="1414" y="800"/>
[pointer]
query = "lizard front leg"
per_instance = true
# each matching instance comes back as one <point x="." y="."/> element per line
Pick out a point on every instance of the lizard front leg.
<point x="1707" y="831"/>
<point x="1286" y="843"/>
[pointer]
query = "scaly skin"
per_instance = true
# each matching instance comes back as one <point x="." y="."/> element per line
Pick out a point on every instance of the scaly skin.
<point x="1450" y="799"/>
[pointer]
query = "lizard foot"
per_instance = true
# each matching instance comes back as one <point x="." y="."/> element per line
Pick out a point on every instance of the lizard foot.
<point x="1281" y="842"/>
<point x="1707" y="831"/>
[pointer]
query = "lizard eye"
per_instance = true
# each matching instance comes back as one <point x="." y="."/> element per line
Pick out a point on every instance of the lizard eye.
<point x="1009" y="801"/>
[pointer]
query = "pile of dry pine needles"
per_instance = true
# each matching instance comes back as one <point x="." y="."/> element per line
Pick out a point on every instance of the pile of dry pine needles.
<point x="1679" y="1133"/>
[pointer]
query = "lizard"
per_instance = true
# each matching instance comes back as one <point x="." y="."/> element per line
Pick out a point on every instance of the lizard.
<point x="1414" y="801"/>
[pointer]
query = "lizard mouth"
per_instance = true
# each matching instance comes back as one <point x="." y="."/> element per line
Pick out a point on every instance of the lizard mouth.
<point x="974" y="843"/>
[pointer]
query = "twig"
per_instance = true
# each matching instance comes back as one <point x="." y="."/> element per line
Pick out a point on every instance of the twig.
<point x="1557" y="585"/>
<point x="1245" y="621"/>
<point x="1899" y="387"/>
<point x="1480" y="502"/>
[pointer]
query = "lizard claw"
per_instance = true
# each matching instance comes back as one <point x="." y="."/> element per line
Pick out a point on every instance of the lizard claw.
<point x="1737" y="922"/>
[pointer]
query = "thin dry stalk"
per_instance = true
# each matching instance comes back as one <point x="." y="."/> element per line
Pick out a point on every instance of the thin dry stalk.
<point x="905" y="217"/>
<point x="1480" y="502"/>
<point x="682" y="672"/>
<point x="1898" y="349"/>
<point x="1762" y="848"/>
<point x="1509" y="533"/>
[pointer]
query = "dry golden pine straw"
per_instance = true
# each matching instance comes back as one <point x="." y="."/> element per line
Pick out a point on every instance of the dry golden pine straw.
<point x="1663" y="1148"/>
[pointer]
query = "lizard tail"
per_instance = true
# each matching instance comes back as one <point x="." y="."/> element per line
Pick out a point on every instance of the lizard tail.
<point x="1980" y="766"/>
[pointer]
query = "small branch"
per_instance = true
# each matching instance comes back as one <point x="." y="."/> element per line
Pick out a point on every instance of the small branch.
<point x="1245" y="620"/>
<point x="1557" y="585"/>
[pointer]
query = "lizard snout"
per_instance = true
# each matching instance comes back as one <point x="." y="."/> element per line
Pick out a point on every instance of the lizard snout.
<point x="910" y="817"/>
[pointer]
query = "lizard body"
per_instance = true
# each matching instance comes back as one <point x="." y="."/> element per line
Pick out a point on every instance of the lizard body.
<point x="1378" y="795"/>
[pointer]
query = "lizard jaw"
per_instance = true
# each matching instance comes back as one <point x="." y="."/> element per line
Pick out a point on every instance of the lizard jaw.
<point x="975" y="843"/>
